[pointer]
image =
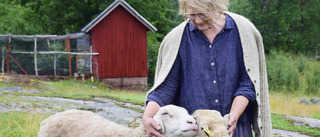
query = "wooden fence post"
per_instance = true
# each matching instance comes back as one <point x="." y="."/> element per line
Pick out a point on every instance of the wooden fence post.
<point x="68" y="46"/>
<point x="35" y="55"/>
<point x="8" y="54"/>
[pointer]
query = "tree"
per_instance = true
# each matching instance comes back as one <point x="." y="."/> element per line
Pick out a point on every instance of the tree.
<point x="14" y="19"/>
<point x="279" y="22"/>
<point x="310" y="25"/>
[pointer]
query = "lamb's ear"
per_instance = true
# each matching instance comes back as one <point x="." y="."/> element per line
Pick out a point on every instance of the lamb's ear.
<point x="194" y="117"/>
<point x="226" y="117"/>
<point x="195" y="114"/>
<point x="159" y="122"/>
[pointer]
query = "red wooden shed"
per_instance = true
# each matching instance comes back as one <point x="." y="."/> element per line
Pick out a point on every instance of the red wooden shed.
<point x="119" y="35"/>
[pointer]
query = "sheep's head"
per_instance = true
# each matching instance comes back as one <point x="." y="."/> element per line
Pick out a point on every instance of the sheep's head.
<point x="175" y="122"/>
<point x="212" y="121"/>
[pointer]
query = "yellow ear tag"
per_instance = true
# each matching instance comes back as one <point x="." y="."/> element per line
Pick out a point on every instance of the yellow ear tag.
<point x="207" y="132"/>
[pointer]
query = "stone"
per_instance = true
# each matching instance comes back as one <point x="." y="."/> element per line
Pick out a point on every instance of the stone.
<point x="315" y="100"/>
<point x="11" y="89"/>
<point x="17" y="89"/>
<point x="305" y="101"/>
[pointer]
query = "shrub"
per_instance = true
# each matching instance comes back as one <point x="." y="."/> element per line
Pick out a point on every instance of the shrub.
<point x="292" y="73"/>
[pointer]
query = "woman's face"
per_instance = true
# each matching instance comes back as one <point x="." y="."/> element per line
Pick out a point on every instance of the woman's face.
<point x="200" y="18"/>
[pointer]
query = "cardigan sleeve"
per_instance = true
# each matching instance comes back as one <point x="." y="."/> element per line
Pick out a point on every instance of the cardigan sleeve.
<point x="245" y="86"/>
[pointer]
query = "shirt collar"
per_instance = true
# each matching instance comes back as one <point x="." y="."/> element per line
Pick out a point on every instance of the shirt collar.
<point x="229" y="24"/>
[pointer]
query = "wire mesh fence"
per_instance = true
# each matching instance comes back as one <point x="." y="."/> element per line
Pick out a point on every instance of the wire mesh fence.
<point x="46" y="54"/>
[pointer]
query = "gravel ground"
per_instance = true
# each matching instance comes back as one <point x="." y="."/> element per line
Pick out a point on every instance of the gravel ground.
<point x="118" y="112"/>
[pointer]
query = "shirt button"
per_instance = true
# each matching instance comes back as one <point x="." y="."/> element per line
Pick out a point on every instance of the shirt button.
<point x="214" y="82"/>
<point x="216" y="100"/>
<point x="210" y="46"/>
<point x="212" y="64"/>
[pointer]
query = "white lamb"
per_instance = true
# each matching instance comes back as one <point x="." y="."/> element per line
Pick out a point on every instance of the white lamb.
<point x="174" y="121"/>
<point x="211" y="123"/>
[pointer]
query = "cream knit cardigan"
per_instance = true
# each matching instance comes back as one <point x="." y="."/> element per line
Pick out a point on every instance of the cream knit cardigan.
<point x="254" y="59"/>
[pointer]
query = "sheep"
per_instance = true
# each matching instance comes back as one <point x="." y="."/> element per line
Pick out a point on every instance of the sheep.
<point x="211" y="123"/>
<point x="174" y="121"/>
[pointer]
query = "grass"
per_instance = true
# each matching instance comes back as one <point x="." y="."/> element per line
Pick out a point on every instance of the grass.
<point x="280" y="122"/>
<point x="20" y="124"/>
<point x="78" y="90"/>
<point x="87" y="91"/>
<point x="288" y="104"/>
<point x="317" y="116"/>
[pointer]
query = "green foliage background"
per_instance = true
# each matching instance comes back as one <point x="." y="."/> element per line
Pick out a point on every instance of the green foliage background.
<point x="287" y="25"/>
<point x="290" y="73"/>
<point x="290" y="30"/>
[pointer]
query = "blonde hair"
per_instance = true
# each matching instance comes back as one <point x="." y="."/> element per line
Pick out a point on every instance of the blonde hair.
<point x="219" y="6"/>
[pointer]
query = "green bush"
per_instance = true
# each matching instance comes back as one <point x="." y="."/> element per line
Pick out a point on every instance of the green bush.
<point x="292" y="73"/>
<point x="313" y="79"/>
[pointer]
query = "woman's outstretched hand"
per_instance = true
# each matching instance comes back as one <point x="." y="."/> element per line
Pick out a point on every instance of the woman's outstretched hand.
<point x="151" y="127"/>
<point x="232" y="124"/>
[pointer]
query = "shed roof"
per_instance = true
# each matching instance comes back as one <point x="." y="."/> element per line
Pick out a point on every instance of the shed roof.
<point x="108" y="10"/>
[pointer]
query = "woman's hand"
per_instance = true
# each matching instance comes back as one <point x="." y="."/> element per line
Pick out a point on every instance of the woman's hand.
<point x="150" y="125"/>
<point x="232" y="124"/>
<point x="239" y="104"/>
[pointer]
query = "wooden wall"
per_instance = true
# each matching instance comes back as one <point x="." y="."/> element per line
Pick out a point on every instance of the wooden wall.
<point x="121" y="41"/>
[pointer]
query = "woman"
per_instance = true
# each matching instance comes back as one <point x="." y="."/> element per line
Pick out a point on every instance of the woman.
<point x="213" y="60"/>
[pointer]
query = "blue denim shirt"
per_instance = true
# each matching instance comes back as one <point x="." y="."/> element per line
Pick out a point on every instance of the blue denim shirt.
<point x="207" y="75"/>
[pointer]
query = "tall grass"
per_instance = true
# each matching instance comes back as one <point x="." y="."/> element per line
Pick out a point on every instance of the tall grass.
<point x="20" y="124"/>
<point x="293" y="74"/>
<point x="288" y="104"/>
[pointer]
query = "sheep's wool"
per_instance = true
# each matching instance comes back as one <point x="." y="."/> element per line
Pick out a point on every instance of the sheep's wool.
<point x="211" y="123"/>
<point x="174" y="121"/>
